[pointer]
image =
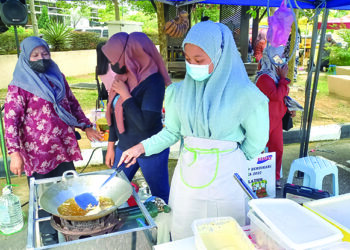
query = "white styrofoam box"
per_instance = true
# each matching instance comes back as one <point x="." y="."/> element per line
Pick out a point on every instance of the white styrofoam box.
<point x="222" y="232"/>
<point x="293" y="225"/>
<point x="335" y="210"/>
<point x="327" y="132"/>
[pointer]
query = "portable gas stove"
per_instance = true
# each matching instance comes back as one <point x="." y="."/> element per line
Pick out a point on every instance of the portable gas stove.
<point x="122" y="229"/>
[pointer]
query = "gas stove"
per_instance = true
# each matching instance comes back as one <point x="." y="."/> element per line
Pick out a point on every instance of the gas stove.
<point x="126" y="228"/>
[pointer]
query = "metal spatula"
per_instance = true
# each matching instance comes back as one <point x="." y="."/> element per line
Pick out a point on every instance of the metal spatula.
<point x="245" y="187"/>
<point x="85" y="199"/>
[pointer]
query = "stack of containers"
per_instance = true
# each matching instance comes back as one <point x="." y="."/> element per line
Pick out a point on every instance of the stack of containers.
<point x="335" y="210"/>
<point x="283" y="224"/>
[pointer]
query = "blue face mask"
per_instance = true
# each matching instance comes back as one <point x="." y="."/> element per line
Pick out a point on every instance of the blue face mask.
<point x="198" y="72"/>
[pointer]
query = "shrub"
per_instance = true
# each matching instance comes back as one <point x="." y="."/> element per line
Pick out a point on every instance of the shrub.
<point x="341" y="55"/>
<point x="84" y="40"/>
<point x="58" y="35"/>
<point x="8" y="41"/>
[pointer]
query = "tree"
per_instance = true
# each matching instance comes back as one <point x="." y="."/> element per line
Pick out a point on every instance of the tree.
<point x="75" y="9"/>
<point x="44" y="18"/>
<point x="116" y="10"/>
<point x="33" y="17"/>
<point x="161" y="35"/>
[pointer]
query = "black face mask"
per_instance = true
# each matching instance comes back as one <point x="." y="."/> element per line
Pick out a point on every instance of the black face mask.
<point x="41" y="65"/>
<point x="117" y="69"/>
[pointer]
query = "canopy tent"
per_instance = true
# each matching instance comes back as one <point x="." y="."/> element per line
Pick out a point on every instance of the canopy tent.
<point x="310" y="89"/>
<point x="303" y="4"/>
<point x="337" y="23"/>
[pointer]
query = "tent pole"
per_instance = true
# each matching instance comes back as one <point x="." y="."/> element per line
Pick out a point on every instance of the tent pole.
<point x="310" y="70"/>
<point x="316" y="76"/>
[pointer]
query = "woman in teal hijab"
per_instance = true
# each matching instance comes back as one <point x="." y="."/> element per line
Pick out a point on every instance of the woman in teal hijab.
<point x="222" y="120"/>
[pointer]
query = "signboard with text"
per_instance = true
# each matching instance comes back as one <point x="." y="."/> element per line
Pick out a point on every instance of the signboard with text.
<point x="261" y="175"/>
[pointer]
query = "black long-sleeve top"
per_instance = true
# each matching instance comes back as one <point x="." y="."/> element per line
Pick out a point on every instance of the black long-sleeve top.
<point x="142" y="113"/>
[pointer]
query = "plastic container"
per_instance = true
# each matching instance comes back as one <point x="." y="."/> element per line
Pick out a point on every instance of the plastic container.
<point x="11" y="217"/>
<point x="290" y="225"/>
<point x="220" y="233"/>
<point x="335" y="210"/>
<point x="262" y="235"/>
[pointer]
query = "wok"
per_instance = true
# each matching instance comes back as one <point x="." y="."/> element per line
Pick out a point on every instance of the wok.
<point x="118" y="189"/>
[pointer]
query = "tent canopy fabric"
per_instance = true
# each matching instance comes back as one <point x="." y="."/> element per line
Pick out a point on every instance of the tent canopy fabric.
<point x="304" y="4"/>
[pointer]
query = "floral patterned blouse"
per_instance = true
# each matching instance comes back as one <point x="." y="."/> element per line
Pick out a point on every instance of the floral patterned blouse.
<point x="33" y="128"/>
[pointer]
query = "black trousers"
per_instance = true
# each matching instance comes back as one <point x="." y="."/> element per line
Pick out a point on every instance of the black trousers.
<point x="61" y="168"/>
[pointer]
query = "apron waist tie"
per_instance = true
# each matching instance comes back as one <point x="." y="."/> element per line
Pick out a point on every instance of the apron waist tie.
<point x="197" y="151"/>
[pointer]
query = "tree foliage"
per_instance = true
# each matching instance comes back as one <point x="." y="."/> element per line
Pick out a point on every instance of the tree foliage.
<point x="210" y="10"/>
<point x="145" y="7"/>
<point x="44" y="18"/>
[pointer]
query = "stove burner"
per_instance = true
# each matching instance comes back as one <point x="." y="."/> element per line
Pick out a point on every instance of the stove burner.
<point x="74" y="230"/>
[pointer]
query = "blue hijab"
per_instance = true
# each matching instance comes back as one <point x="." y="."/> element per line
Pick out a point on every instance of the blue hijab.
<point x="267" y="67"/>
<point x="39" y="83"/>
<point x="212" y="107"/>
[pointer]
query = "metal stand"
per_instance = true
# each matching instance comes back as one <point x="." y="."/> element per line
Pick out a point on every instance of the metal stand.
<point x="17" y="42"/>
<point x="3" y="149"/>
<point x="309" y="104"/>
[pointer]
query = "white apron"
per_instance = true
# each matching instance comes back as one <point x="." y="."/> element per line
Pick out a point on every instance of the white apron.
<point x="203" y="184"/>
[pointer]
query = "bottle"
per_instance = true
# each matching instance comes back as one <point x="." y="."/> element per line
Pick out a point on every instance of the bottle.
<point x="11" y="217"/>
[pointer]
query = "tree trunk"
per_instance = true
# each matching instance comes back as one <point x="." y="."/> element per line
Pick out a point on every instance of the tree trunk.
<point x="291" y="63"/>
<point x="255" y="27"/>
<point x="161" y="34"/>
<point x="116" y="10"/>
<point x="33" y="17"/>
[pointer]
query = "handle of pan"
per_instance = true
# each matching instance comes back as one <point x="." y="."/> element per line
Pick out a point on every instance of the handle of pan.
<point x="245" y="187"/>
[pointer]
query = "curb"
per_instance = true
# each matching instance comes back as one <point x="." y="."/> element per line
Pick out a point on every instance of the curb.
<point x="319" y="133"/>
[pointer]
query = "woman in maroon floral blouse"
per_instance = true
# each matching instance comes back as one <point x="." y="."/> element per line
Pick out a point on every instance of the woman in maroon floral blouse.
<point x="41" y="113"/>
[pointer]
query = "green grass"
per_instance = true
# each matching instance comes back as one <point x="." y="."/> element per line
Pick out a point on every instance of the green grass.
<point x="89" y="78"/>
<point x="86" y="98"/>
<point x="322" y="85"/>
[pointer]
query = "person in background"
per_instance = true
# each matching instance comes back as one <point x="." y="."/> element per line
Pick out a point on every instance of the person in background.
<point x="41" y="113"/>
<point x="134" y="109"/>
<point x="221" y="118"/>
<point x="250" y="51"/>
<point x="103" y="70"/>
<point x="326" y="52"/>
<point x="260" y="44"/>
<point x="273" y="82"/>
<point x="205" y="18"/>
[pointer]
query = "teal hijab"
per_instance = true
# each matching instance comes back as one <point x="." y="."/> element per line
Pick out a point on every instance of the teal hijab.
<point x="212" y="107"/>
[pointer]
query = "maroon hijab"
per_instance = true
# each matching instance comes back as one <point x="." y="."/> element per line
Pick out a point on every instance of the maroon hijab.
<point x="141" y="59"/>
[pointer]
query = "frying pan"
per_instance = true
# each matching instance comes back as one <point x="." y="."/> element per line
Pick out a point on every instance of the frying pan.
<point x="118" y="189"/>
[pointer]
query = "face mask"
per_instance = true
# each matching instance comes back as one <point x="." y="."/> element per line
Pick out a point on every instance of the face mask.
<point x="117" y="69"/>
<point x="41" y="65"/>
<point x="198" y="72"/>
<point x="108" y="79"/>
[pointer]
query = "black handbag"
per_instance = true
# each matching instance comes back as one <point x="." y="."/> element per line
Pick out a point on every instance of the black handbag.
<point x="287" y="121"/>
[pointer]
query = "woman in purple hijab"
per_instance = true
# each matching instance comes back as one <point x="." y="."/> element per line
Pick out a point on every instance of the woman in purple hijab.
<point x="41" y="113"/>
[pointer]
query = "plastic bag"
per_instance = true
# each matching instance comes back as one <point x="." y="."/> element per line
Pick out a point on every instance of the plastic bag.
<point x="292" y="104"/>
<point x="280" y="25"/>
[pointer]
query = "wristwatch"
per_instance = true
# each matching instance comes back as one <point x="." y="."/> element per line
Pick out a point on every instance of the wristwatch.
<point x="87" y="126"/>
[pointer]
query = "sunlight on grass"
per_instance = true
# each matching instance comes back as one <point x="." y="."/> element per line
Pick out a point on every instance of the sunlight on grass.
<point x="88" y="78"/>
